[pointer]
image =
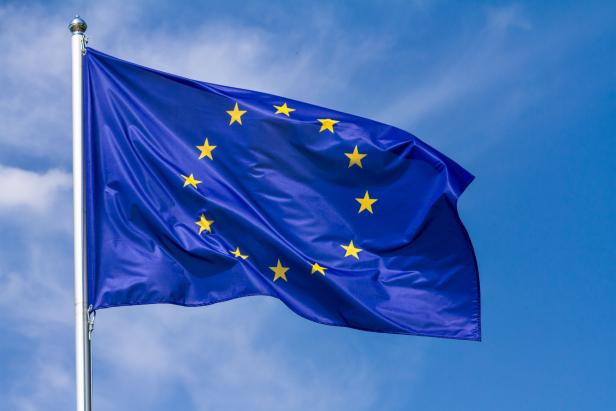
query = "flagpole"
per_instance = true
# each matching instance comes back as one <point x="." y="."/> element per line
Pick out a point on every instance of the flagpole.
<point x="83" y="359"/>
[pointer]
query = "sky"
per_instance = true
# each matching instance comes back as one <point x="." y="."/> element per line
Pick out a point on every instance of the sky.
<point x="522" y="94"/>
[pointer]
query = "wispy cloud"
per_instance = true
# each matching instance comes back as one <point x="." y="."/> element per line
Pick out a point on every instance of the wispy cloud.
<point x="465" y="69"/>
<point x="36" y="301"/>
<point x="36" y="79"/>
<point x="214" y="359"/>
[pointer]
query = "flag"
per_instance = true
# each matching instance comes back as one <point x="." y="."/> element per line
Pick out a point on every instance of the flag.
<point x="198" y="193"/>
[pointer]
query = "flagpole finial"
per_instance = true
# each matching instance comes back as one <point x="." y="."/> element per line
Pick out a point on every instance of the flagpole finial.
<point x="77" y="25"/>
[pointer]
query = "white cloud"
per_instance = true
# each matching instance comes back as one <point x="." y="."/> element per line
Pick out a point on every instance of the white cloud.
<point x="23" y="190"/>
<point x="217" y="357"/>
<point x="35" y="98"/>
<point x="49" y="374"/>
<point x="36" y="309"/>
<point x="36" y="80"/>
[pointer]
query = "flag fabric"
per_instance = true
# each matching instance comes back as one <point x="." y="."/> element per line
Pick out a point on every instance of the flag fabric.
<point x="198" y="193"/>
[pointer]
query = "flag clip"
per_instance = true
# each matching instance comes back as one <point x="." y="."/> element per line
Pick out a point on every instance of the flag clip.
<point x="84" y="42"/>
<point x="91" y="318"/>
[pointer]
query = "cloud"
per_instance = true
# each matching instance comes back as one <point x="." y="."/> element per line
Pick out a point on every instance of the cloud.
<point x="23" y="190"/>
<point x="503" y="18"/>
<point x="35" y="98"/>
<point x="48" y="383"/>
<point x="35" y="103"/>
<point x="36" y="305"/>
<point x="466" y="68"/>
<point x="219" y="359"/>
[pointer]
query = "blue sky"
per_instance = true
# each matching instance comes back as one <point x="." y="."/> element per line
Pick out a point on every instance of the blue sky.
<point x="522" y="94"/>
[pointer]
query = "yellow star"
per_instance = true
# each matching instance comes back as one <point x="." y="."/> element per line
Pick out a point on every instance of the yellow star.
<point x="238" y="254"/>
<point x="190" y="181"/>
<point x="206" y="150"/>
<point x="355" y="158"/>
<point x="236" y="115"/>
<point x="283" y="109"/>
<point x="351" y="250"/>
<point x="366" y="203"/>
<point x="204" y="224"/>
<point x="327" y="124"/>
<point x="279" y="271"/>
<point x="316" y="267"/>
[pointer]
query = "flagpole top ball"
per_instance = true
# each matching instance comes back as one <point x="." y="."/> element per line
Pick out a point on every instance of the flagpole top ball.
<point x="77" y="25"/>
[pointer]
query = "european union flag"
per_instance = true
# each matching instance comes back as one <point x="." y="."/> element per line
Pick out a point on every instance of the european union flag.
<point x="199" y="193"/>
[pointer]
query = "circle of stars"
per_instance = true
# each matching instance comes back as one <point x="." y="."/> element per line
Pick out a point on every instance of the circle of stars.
<point x="355" y="158"/>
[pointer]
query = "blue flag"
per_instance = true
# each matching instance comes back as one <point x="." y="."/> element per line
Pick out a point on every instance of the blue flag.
<point x="198" y="193"/>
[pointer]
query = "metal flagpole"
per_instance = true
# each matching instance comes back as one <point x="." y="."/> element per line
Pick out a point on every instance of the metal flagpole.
<point x="83" y="359"/>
